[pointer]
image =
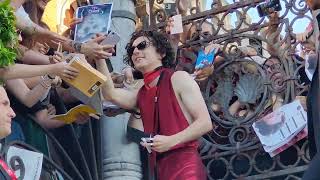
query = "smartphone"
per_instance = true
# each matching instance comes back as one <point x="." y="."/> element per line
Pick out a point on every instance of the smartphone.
<point x="170" y="9"/>
<point x="112" y="38"/>
<point x="269" y="7"/>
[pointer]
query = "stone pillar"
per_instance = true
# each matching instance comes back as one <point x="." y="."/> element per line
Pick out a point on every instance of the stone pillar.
<point x="120" y="158"/>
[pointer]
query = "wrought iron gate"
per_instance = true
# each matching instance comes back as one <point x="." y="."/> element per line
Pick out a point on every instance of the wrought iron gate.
<point x="261" y="82"/>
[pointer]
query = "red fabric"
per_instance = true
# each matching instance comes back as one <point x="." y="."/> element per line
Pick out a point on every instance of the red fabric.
<point x="8" y="170"/>
<point x="182" y="161"/>
<point x="151" y="76"/>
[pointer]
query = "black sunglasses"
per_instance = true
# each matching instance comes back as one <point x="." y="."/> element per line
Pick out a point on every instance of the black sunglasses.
<point x="141" y="46"/>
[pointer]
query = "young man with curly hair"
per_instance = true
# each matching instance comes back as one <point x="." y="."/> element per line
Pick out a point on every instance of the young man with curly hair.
<point x="172" y="108"/>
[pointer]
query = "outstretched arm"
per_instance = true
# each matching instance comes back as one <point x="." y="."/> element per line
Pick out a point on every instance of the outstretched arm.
<point x="121" y="97"/>
<point x="15" y="71"/>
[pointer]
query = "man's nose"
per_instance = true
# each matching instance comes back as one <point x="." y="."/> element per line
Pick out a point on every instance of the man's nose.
<point x="12" y="114"/>
<point x="136" y="51"/>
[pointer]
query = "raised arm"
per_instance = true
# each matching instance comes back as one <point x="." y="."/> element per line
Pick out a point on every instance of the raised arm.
<point x="121" y="97"/>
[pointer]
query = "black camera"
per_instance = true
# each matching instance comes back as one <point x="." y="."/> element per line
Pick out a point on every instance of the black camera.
<point x="269" y="7"/>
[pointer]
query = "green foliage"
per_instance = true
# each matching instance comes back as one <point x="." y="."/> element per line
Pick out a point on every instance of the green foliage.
<point x="8" y="34"/>
<point x="7" y="55"/>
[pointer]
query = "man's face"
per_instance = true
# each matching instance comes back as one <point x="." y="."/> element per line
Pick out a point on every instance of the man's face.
<point x="6" y="114"/>
<point x="144" y="55"/>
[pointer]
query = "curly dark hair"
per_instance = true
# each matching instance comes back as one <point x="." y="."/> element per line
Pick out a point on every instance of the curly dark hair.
<point x="160" y="41"/>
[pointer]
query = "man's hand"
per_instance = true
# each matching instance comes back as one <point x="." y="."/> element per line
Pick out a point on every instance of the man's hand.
<point x="203" y="74"/>
<point x="82" y="118"/>
<point x="93" y="50"/>
<point x="63" y="69"/>
<point x="51" y="110"/>
<point x="162" y="143"/>
<point x="44" y="35"/>
<point x="56" y="58"/>
<point x="41" y="48"/>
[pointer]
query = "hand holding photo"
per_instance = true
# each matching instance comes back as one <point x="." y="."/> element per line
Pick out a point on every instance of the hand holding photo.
<point x="95" y="19"/>
<point x="177" y="24"/>
<point x="204" y="60"/>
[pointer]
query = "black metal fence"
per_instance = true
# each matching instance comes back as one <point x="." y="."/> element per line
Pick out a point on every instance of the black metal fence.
<point x="262" y="81"/>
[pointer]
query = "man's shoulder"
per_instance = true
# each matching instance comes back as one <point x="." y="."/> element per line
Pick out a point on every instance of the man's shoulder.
<point x="181" y="79"/>
<point x="180" y="75"/>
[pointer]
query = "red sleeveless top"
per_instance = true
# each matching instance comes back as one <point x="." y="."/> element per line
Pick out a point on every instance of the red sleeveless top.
<point x="182" y="162"/>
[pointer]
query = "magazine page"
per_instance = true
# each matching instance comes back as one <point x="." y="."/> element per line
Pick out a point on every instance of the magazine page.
<point x="73" y="113"/>
<point x="279" y="127"/>
<point x="93" y="78"/>
<point x="95" y="19"/>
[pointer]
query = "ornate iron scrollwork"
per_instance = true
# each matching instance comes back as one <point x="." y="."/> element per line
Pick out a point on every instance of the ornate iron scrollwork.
<point x="246" y="87"/>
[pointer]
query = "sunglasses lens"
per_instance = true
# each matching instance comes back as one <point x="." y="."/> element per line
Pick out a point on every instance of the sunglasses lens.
<point x="142" y="45"/>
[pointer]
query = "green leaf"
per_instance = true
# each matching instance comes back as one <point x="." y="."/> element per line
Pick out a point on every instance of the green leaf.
<point x="8" y="34"/>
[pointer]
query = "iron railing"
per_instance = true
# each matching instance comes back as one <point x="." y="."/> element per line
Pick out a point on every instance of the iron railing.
<point x="235" y="151"/>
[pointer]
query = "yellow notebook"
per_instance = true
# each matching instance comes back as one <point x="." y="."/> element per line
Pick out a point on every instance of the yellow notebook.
<point x="89" y="79"/>
<point x="72" y="114"/>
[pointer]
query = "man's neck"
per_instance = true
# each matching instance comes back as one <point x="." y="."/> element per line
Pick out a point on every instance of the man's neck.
<point x="150" y="68"/>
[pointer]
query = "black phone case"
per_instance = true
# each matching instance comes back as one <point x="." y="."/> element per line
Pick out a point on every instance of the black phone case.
<point x="135" y="135"/>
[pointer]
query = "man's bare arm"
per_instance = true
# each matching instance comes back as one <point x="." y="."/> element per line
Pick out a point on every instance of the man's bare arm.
<point x="192" y="99"/>
<point x="121" y="97"/>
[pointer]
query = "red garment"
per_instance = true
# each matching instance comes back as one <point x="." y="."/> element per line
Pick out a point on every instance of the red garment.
<point x="182" y="162"/>
<point x="151" y="76"/>
<point x="9" y="171"/>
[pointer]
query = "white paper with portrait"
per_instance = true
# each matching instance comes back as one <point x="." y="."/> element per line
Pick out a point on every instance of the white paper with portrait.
<point x="280" y="126"/>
